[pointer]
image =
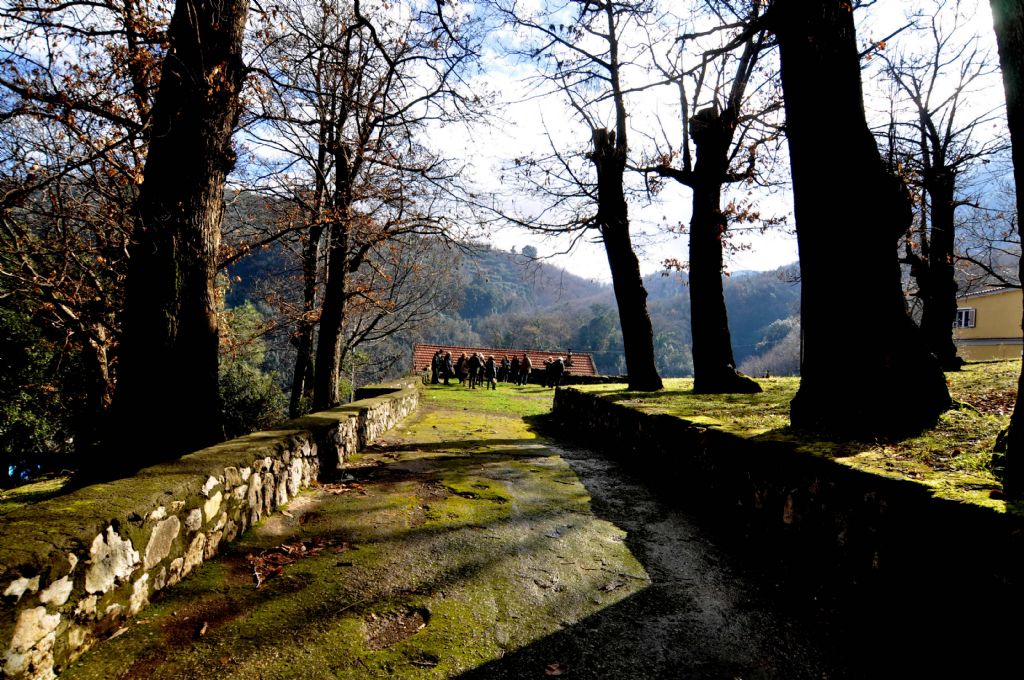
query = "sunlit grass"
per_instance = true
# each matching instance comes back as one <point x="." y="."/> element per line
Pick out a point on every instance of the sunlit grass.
<point x="746" y="414"/>
<point x="12" y="499"/>
<point x="508" y="399"/>
<point x="954" y="457"/>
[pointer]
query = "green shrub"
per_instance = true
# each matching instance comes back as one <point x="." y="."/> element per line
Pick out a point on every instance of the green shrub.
<point x="250" y="399"/>
<point x="37" y="400"/>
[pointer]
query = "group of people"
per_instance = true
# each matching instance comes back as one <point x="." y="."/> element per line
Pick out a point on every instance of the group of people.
<point x="475" y="369"/>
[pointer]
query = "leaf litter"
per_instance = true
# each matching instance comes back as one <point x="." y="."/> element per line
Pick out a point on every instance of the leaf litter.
<point x="271" y="563"/>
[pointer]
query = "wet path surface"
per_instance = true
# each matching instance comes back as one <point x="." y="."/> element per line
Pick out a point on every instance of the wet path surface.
<point x="463" y="545"/>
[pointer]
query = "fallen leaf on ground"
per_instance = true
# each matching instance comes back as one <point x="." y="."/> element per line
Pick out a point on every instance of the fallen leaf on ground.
<point x="554" y="668"/>
<point x="613" y="585"/>
<point x="341" y="488"/>
<point x="271" y="563"/>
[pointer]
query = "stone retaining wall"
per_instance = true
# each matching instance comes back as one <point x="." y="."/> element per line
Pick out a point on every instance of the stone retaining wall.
<point x="816" y="517"/>
<point x="74" y="568"/>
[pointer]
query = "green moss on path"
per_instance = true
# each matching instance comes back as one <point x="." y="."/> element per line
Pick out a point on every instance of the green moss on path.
<point x="460" y="537"/>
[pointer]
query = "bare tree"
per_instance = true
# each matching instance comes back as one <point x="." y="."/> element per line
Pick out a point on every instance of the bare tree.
<point x="727" y="121"/>
<point x="349" y="98"/>
<point x="581" y="48"/>
<point x="143" y="139"/>
<point x="1008" y="16"/>
<point x="988" y="240"/>
<point x="939" y="135"/>
<point x="76" y="87"/>
<point x="170" y="348"/>
<point x="853" y="314"/>
<point x="401" y="287"/>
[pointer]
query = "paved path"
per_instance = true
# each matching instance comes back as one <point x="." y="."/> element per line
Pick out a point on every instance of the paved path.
<point x="462" y="545"/>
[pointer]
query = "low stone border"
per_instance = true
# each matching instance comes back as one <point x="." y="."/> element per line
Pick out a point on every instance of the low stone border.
<point x="823" y="520"/>
<point x="74" y="568"/>
<point x="570" y="379"/>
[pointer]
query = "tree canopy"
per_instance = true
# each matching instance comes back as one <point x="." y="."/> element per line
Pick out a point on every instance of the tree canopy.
<point x="377" y="160"/>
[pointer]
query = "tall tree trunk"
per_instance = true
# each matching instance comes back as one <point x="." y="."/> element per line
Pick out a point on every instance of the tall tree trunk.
<point x="167" y="379"/>
<point x="609" y="159"/>
<point x="99" y="393"/>
<point x="939" y="308"/>
<point x="332" y="314"/>
<point x="714" y="369"/>
<point x="1008" y="17"/>
<point x="864" y="370"/>
<point x="303" y="376"/>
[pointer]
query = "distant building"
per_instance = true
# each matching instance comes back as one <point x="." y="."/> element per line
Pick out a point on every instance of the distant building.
<point x="988" y="325"/>
<point x="582" y="364"/>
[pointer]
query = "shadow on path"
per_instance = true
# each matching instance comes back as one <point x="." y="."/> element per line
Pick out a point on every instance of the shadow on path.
<point x="496" y="555"/>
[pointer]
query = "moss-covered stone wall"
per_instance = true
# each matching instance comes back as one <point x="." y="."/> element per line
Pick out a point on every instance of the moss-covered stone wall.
<point x="810" y="513"/>
<point x="74" y="568"/>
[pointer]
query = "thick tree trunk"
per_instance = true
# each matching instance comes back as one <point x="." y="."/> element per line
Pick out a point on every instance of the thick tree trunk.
<point x="99" y="393"/>
<point x="302" y="379"/>
<point x="714" y="368"/>
<point x="332" y="314"/>
<point x="167" y="377"/>
<point x="1008" y="16"/>
<point x="303" y="371"/>
<point x="864" y="370"/>
<point x="939" y="308"/>
<point x="630" y="295"/>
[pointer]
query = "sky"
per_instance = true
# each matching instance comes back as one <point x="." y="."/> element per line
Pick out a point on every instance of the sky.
<point x="527" y="120"/>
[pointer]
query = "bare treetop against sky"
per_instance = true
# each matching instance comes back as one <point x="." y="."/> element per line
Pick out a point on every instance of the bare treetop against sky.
<point x="533" y="119"/>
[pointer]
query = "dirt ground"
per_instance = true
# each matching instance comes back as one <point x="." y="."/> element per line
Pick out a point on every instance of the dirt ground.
<point x="465" y="545"/>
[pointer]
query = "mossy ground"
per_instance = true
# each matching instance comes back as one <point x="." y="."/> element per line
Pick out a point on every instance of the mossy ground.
<point x="27" y="494"/>
<point x="456" y="539"/>
<point x="954" y="458"/>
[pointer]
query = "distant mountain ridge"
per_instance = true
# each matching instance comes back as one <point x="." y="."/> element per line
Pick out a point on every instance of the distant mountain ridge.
<point x="508" y="299"/>
<point x="507" y="295"/>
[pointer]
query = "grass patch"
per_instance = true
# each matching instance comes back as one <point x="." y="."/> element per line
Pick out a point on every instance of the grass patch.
<point x="508" y="399"/>
<point x="954" y="457"/>
<point x="19" y="497"/>
<point x="745" y="414"/>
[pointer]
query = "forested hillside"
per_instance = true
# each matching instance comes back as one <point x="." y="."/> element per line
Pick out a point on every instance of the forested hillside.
<point x="510" y="300"/>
